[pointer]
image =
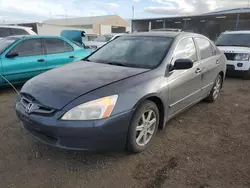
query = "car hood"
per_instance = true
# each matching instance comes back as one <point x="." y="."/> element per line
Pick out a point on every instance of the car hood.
<point x="234" y="49"/>
<point x="60" y="86"/>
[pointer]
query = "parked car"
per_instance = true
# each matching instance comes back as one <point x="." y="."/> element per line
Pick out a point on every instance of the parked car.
<point x="101" y="40"/>
<point x="236" y="46"/>
<point x="121" y="94"/>
<point x="8" y="30"/>
<point x="23" y="57"/>
<point x="167" y="29"/>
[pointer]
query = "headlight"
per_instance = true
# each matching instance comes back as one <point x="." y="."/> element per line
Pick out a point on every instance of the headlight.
<point x="241" y="57"/>
<point x="96" y="109"/>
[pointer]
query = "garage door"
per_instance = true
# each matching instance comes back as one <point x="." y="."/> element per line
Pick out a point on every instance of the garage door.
<point x="115" y="29"/>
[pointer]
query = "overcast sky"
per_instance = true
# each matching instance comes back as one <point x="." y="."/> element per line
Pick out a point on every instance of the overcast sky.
<point x="39" y="10"/>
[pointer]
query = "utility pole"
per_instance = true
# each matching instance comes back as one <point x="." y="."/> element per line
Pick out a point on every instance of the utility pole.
<point x="133" y="11"/>
<point x="66" y="14"/>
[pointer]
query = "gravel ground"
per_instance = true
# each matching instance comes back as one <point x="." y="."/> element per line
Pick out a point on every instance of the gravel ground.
<point x="208" y="146"/>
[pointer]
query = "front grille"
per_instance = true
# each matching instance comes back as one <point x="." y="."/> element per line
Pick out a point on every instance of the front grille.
<point x="230" y="56"/>
<point x="28" y="101"/>
<point x="230" y="67"/>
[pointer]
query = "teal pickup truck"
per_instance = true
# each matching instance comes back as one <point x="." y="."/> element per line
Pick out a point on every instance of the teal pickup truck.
<point x="23" y="57"/>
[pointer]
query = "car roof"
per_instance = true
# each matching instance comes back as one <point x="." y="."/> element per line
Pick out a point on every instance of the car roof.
<point x="14" y="27"/>
<point x="164" y="34"/>
<point x="237" y="32"/>
<point x="33" y="36"/>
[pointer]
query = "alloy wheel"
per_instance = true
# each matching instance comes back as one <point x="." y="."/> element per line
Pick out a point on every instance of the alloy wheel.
<point x="146" y="128"/>
<point x="217" y="88"/>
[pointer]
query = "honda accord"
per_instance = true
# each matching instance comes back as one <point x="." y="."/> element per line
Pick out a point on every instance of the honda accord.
<point x="121" y="94"/>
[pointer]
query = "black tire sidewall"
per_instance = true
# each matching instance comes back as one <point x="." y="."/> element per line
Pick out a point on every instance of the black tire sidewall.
<point x="131" y="137"/>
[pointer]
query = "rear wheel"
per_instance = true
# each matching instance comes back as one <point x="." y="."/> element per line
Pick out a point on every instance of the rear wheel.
<point x="143" y="127"/>
<point x="214" y="93"/>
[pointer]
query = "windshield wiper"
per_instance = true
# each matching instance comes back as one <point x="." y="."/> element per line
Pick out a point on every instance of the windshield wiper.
<point x="86" y="60"/>
<point x="118" y="64"/>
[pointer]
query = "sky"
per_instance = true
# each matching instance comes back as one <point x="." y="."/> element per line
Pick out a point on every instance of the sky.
<point x="13" y="11"/>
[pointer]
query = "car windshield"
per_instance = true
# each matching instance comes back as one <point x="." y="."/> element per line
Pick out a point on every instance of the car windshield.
<point x="5" y="43"/>
<point x="233" y="40"/>
<point x="134" y="51"/>
<point x="103" y="38"/>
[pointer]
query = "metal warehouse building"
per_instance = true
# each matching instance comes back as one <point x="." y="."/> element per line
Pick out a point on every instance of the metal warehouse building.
<point x="210" y="24"/>
<point x="97" y="24"/>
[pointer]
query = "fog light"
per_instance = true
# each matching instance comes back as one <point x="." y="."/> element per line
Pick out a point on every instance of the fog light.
<point x="240" y="64"/>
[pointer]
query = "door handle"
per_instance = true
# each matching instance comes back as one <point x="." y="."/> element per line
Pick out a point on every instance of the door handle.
<point x="72" y="56"/>
<point x="40" y="60"/>
<point x="217" y="61"/>
<point x="198" y="70"/>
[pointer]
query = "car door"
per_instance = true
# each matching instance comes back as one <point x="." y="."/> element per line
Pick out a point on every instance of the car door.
<point x="28" y="62"/>
<point x="209" y="63"/>
<point x="58" y="52"/>
<point x="184" y="85"/>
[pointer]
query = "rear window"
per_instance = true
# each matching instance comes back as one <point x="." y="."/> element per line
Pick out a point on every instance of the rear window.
<point x="15" y="31"/>
<point x="4" y="32"/>
<point x="242" y="39"/>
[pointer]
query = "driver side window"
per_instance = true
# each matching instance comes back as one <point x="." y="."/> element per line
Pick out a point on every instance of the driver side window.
<point x="185" y="49"/>
<point x="29" y="47"/>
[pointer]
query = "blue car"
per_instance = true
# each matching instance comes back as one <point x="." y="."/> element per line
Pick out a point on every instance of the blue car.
<point x="23" y="57"/>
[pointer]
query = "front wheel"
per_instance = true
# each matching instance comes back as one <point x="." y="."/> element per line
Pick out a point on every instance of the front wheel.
<point x="214" y="93"/>
<point x="143" y="127"/>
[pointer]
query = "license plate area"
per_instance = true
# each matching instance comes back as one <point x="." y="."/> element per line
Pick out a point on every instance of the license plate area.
<point x="25" y="118"/>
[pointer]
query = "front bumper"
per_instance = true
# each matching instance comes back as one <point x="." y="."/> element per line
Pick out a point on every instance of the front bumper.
<point x="231" y="71"/>
<point x="106" y="134"/>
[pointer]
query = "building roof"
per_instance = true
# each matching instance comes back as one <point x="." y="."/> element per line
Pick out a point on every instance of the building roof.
<point x="215" y="13"/>
<point x="81" y="20"/>
<point x="230" y="11"/>
<point x="32" y="36"/>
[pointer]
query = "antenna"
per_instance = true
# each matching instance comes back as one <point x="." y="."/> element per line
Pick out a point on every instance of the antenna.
<point x="11" y="85"/>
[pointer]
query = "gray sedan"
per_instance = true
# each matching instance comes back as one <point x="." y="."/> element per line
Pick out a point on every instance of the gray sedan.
<point x="119" y="96"/>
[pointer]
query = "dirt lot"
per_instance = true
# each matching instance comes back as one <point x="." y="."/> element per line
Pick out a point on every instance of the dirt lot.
<point x="206" y="147"/>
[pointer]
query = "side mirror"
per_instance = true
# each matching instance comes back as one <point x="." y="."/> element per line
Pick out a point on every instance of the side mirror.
<point x="12" y="54"/>
<point x="182" y="64"/>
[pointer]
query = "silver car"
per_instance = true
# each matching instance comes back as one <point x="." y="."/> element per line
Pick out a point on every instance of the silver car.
<point x="122" y="93"/>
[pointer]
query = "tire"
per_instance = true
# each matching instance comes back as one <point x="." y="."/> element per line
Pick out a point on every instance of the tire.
<point x="214" y="93"/>
<point x="139" y="129"/>
<point x="246" y="76"/>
